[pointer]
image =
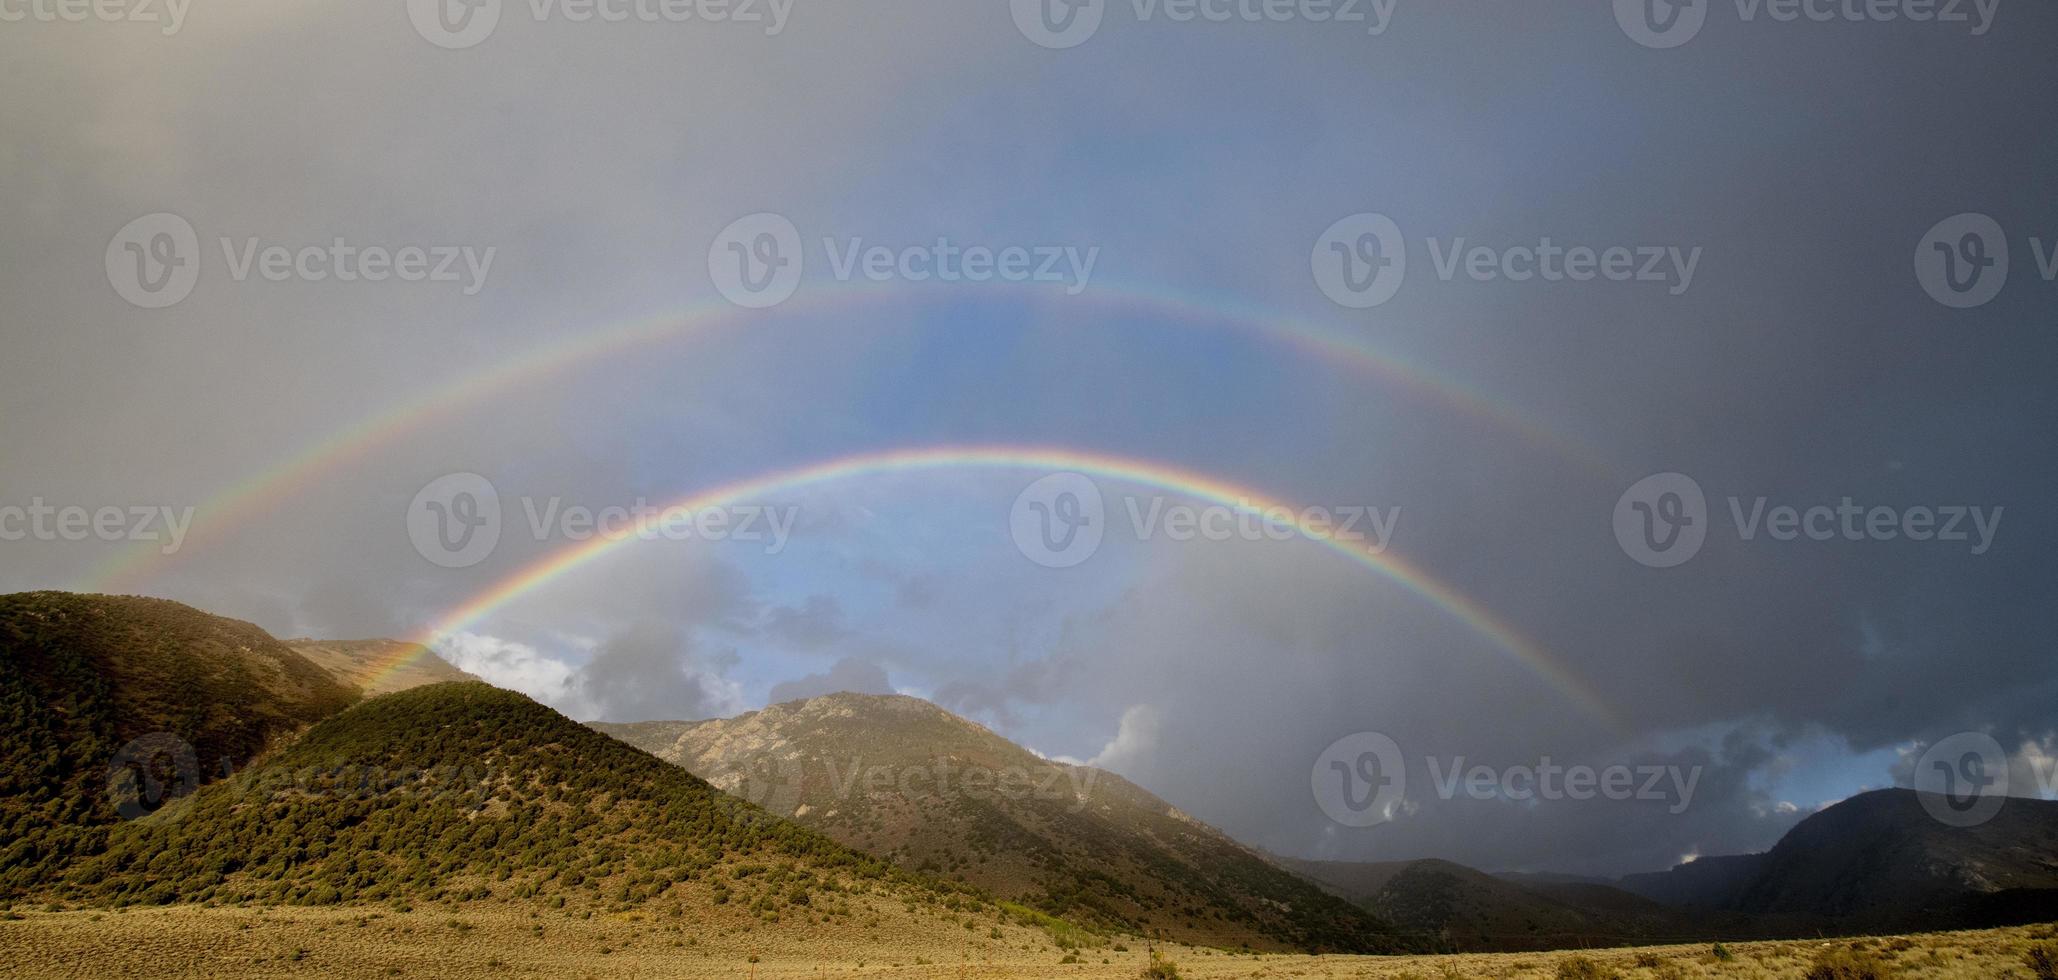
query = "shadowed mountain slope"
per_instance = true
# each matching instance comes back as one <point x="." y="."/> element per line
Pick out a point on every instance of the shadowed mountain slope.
<point x="1471" y="911"/>
<point x="1879" y="860"/>
<point x="1882" y="854"/>
<point x="111" y="705"/>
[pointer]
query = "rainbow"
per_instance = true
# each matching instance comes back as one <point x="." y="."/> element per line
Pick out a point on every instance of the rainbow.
<point x="274" y="485"/>
<point x="571" y="558"/>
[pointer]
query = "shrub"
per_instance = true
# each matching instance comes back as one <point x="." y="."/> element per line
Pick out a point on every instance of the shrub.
<point x="1848" y="964"/>
<point x="1581" y="968"/>
<point x="1160" y="968"/>
<point x="2042" y="960"/>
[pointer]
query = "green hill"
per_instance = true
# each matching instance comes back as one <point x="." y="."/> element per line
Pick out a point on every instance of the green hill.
<point x="464" y="792"/>
<point x="932" y="792"/>
<point x="110" y="705"/>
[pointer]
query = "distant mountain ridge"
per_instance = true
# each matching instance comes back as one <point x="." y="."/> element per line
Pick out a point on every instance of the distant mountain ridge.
<point x="1712" y="882"/>
<point x="1465" y="910"/>
<point x="1880" y="860"/>
<point x="904" y="779"/>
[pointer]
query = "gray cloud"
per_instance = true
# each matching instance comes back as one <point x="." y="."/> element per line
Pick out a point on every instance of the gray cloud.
<point x="849" y="674"/>
<point x="814" y="624"/>
<point x="649" y="673"/>
<point x="1805" y="364"/>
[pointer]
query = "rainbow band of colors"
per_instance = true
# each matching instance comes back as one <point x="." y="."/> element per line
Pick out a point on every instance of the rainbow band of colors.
<point x="571" y="558"/>
<point x="269" y="488"/>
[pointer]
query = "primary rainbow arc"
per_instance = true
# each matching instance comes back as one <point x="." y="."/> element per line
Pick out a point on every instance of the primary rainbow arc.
<point x="570" y="558"/>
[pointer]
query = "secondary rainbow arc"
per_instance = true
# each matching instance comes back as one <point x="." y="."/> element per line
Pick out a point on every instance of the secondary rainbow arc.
<point x="272" y="485"/>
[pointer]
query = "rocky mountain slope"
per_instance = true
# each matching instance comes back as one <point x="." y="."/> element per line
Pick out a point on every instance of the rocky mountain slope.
<point x="917" y="785"/>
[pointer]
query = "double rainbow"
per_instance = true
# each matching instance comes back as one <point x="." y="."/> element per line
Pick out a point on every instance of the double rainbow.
<point x="564" y="561"/>
<point x="273" y="485"/>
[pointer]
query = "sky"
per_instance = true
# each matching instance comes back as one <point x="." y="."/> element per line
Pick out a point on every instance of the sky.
<point x="594" y="317"/>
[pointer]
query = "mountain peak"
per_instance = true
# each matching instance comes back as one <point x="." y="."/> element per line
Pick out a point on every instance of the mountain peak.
<point x="933" y="792"/>
<point x="404" y="775"/>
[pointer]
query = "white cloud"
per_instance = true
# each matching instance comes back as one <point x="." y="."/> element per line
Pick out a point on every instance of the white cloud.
<point x="515" y="666"/>
<point x="1135" y="742"/>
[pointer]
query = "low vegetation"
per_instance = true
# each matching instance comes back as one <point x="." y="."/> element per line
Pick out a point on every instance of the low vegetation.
<point x="467" y="793"/>
<point x="1080" y="845"/>
<point x="883" y="939"/>
<point x="112" y="706"/>
<point x="2042" y="960"/>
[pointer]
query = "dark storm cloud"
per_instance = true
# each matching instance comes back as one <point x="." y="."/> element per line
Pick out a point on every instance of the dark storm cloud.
<point x="1805" y="364"/>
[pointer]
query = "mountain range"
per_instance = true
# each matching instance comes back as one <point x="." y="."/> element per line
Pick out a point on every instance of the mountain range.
<point x="926" y="789"/>
<point x="162" y="755"/>
<point x="1879" y="860"/>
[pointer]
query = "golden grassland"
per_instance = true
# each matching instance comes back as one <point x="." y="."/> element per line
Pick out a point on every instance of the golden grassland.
<point x="886" y="940"/>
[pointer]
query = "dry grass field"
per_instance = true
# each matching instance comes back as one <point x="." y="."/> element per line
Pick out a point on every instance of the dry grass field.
<point x="888" y="941"/>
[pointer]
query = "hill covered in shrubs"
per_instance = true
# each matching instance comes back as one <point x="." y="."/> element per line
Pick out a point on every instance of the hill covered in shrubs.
<point x="463" y="792"/>
<point x="111" y="706"/>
